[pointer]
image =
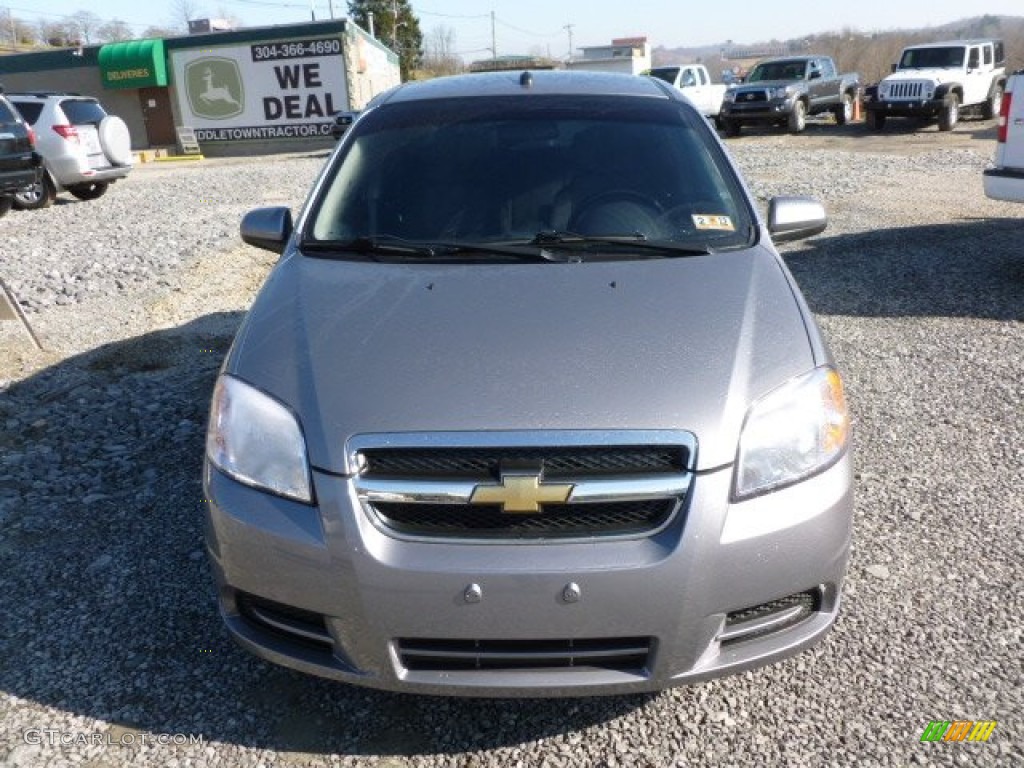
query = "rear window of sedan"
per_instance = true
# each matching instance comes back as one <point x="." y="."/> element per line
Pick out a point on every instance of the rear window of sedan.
<point x="503" y="169"/>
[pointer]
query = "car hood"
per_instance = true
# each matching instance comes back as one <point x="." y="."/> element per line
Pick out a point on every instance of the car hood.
<point x="938" y="76"/>
<point x="680" y="343"/>
<point x="762" y="85"/>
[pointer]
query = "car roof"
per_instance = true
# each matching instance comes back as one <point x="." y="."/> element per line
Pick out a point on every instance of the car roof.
<point x="800" y="57"/>
<point x="948" y="43"/>
<point x="527" y="82"/>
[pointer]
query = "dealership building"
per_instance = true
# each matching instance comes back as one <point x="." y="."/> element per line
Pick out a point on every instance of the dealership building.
<point x="241" y="91"/>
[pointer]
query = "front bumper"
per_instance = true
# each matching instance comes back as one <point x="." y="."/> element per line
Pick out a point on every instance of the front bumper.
<point x="771" y="111"/>
<point x="921" y="108"/>
<point x="324" y="590"/>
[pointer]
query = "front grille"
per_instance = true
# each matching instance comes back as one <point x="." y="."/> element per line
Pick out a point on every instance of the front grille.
<point x="285" y="621"/>
<point x="523" y="485"/>
<point x="553" y="520"/>
<point x="913" y="91"/>
<point x="749" y="97"/>
<point x="622" y="654"/>
<point x="483" y="463"/>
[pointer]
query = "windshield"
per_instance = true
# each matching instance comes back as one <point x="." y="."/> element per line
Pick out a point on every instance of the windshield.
<point x="932" y="58"/>
<point x="777" y="70"/>
<point x="668" y="74"/>
<point x="540" y="170"/>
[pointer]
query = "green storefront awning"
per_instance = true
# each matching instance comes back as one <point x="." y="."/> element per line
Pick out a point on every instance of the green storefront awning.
<point x="133" y="64"/>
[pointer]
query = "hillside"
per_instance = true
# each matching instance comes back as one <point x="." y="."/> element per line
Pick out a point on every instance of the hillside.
<point x="869" y="53"/>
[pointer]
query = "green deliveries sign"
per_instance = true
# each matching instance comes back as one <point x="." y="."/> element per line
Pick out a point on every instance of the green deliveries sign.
<point x="134" y="64"/>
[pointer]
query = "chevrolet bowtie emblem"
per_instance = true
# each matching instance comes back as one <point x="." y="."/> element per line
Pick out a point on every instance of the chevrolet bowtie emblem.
<point x="521" y="493"/>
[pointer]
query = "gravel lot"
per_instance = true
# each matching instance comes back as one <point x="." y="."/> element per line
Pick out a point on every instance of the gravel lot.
<point x="110" y="637"/>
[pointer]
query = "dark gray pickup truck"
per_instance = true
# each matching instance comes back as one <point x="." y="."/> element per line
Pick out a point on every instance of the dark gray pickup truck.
<point x="785" y="91"/>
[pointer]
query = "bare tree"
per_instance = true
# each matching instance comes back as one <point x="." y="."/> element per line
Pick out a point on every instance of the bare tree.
<point x="58" y="34"/>
<point x="114" y="31"/>
<point x="158" y="31"/>
<point x="182" y="12"/>
<point x="439" y="57"/>
<point x="16" y="33"/>
<point x="86" y="25"/>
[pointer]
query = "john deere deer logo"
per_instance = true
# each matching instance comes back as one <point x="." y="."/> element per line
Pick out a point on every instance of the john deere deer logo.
<point x="214" y="87"/>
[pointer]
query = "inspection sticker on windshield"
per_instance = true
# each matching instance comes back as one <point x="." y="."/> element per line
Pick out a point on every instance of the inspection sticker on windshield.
<point x="706" y="221"/>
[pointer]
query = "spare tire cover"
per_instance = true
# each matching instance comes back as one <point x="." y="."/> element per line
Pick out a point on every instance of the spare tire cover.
<point x="115" y="140"/>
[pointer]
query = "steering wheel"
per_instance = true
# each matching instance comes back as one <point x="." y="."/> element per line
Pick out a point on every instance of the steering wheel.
<point x="616" y="212"/>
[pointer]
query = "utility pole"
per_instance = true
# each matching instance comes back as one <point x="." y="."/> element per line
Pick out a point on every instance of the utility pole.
<point x="568" y="28"/>
<point x="394" y="29"/>
<point x="14" y="33"/>
<point x="494" y="40"/>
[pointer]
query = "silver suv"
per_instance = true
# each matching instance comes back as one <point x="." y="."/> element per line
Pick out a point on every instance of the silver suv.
<point x="84" y="149"/>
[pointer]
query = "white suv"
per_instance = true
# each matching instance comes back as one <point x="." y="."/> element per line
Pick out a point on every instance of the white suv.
<point x="938" y="80"/>
<point x="84" y="149"/>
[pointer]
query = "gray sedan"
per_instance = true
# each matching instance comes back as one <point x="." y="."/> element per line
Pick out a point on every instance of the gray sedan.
<point x="529" y="406"/>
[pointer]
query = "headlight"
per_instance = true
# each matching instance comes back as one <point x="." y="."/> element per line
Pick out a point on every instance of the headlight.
<point x="730" y="96"/>
<point x="780" y="93"/>
<point x="257" y="440"/>
<point x="792" y="432"/>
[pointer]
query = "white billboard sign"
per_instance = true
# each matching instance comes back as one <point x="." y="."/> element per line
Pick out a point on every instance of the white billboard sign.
<point x="266" y="90"/>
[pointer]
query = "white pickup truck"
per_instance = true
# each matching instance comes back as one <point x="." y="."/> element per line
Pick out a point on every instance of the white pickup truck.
<point x="695" y="82"/>
<point x="1005" y="179"/>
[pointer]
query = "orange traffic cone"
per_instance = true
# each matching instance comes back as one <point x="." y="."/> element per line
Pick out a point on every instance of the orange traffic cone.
<point x="856" y="108"/>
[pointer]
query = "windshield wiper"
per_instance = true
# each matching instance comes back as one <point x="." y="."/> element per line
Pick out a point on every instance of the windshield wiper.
<point x="636" y="240"/>
<point x="393" y="245"/>
<point x="387" y="245"/>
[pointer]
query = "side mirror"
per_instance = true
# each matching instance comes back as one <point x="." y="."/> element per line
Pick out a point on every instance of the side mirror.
<point x="342" y="121"/>
<point x="267" y="228"/>
<point x="894" y="67"/>
<point x="794" y="218"/>
<point x="814" y="74"/>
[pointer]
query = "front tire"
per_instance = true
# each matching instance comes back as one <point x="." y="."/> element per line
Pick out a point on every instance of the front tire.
<point x="950" y="114"/>
<point x="798" y="118"/>
<point x="844" y="112"/>
<point x="876" y="121"/>
<point x="89" y="191"/>
<point x="39" y="195"/>
<point x="731" y="127"/>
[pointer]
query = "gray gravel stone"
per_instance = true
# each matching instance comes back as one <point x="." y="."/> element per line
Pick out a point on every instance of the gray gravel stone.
<point x="110" y="626"/>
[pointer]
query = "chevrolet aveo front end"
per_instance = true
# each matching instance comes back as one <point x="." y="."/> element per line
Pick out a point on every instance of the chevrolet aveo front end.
<point x="529" y="406"/>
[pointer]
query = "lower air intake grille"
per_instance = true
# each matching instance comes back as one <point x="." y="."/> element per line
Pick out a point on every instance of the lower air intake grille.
<point x="622" y="654"/>
<point x="770" y="617"/>
<point x="285" y="621"/>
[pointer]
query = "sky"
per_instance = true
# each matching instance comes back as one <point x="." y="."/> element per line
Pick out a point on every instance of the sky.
<point x="544" y="26"/>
